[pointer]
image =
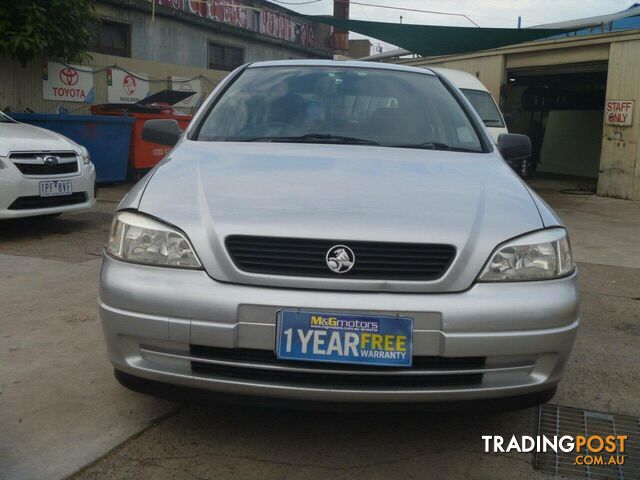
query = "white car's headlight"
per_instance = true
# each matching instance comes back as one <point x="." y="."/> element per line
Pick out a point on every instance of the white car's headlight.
<point x="141" y="239"/>
<point x="85" y="156"/>
<point x="537" y="256"/>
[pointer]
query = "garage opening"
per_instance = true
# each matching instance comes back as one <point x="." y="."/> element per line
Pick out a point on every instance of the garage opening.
<point x="561" y="109"/>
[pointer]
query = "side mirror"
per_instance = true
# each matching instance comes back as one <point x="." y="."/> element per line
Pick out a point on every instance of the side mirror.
<point x="164" y="132"/>
<point x="514" y="146"/>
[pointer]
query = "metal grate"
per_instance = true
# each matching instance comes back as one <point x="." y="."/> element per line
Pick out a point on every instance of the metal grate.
<point x="307" y="258"/>
<point x="554" y="420"/>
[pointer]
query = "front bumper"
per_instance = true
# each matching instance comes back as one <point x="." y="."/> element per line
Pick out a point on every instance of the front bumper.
<point x="158" y="321"/>
<point x="14" y="185"/>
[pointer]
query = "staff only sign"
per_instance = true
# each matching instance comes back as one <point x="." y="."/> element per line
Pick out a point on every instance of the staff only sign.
<point x="126" y="87"/>
<point x="69" y="83"/>
<point x="620" y="112"/>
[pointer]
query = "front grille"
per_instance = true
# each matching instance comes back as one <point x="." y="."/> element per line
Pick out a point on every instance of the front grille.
<point x="32" y="163"/>
<point x="322" y="374"/>
<point x="328" y="380"/>
<point x="269" y="358"/>
<point x="35" y="202"/>
<point x="307" y="258"/>
<point x="36" y="169"/>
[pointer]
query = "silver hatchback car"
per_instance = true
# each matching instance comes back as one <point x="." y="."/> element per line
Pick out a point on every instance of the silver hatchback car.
<point x="338" y="232"/>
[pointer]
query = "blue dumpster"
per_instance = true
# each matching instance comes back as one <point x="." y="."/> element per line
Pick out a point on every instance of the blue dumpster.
<point x="106" y="138"/>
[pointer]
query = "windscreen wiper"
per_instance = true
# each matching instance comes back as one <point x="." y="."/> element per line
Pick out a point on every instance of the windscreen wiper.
<point x="316" y="138"/>
<point x="434" y="146"/>
<point x="425" y="146"/>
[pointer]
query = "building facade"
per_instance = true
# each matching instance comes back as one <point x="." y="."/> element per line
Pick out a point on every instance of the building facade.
<point x="145" y="46"/>
<point x="577" y="97"/>
<point x="212" y="34"/>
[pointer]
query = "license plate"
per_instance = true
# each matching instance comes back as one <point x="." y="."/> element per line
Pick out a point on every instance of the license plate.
<point x="345" y="338"/>
<point x="53" y="188"/>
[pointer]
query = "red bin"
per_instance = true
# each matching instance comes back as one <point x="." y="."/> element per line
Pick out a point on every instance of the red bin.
<point x="144" y="155"/>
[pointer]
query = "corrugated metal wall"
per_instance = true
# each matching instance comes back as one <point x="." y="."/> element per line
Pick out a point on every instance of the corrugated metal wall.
<point x="169" y="41"/>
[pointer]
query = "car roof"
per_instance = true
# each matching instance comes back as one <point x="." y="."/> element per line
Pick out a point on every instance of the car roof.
<point x="339" y="63"/>
<point x="460" y="79"/>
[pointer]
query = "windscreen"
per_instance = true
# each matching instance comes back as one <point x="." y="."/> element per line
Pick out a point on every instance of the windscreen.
<point x="340" y="105"/>
<point x="485" y="106"/>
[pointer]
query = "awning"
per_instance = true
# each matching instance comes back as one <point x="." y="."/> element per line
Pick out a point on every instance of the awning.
<point x="433" y="40"/>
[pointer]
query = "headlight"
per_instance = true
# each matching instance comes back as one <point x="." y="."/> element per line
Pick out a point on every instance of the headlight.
<point x="141" y="239"/>
<point x="84" y="154"/>
<point x="537" y="256"/>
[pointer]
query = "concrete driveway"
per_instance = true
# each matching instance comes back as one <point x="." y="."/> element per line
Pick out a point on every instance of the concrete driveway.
<point x="62" y="413"/>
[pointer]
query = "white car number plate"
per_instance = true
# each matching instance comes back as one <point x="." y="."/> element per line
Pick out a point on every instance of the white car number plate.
<point x="53" y="188"/>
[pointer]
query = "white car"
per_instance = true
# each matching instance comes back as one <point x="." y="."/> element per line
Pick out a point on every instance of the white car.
<point x="480" y="97"/>
<point x="486" y="108"/>
<point x="42" y="172"/>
